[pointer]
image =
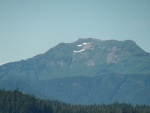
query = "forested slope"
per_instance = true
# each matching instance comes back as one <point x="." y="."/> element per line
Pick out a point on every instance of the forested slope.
<point x="16" y="102"/>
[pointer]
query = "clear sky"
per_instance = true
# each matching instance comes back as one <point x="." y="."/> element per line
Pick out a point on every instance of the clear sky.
<point x="31" y="27"/>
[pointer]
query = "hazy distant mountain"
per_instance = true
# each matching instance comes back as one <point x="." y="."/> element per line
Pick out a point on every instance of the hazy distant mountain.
<point x="87" y="71"/>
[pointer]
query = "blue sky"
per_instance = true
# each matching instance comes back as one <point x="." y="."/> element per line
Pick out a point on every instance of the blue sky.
<point x="31" y="27"/>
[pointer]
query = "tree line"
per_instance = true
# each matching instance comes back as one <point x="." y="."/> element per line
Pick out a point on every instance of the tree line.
<point x="17" y="102"/>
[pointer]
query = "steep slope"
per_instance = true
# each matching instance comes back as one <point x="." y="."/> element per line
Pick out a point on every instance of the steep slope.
<point x="87" y="71"/>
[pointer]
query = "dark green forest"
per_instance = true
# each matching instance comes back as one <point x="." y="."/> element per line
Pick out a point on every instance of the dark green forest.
<point x="17" y="102"/>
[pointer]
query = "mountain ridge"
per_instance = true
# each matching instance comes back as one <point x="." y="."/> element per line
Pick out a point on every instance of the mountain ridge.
<point x="94" y="53"/>
<point x="121" y="67"/>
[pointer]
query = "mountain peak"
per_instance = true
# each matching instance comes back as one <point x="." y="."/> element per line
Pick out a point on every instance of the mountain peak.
<point x="82" y="40"/>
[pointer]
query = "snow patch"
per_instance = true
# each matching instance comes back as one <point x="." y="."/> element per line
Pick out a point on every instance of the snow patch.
<point x="79" y="51"/>
<point x="85" y="43"/>
<point x="79" y="45"/>
<point x="83" y="49"/>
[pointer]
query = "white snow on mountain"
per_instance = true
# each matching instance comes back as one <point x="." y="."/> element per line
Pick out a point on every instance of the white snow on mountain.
<point x="85" y="43"/>
<point x="79" y="45"/>
<point x="79" y="51"/>
<point x="83" y="48"/>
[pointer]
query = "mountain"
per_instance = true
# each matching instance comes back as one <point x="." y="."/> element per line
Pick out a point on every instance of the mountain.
<point x="87" y="71"/>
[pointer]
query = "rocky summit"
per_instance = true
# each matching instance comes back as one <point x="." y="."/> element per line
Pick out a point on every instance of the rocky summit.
<point x="87" y="71"/>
